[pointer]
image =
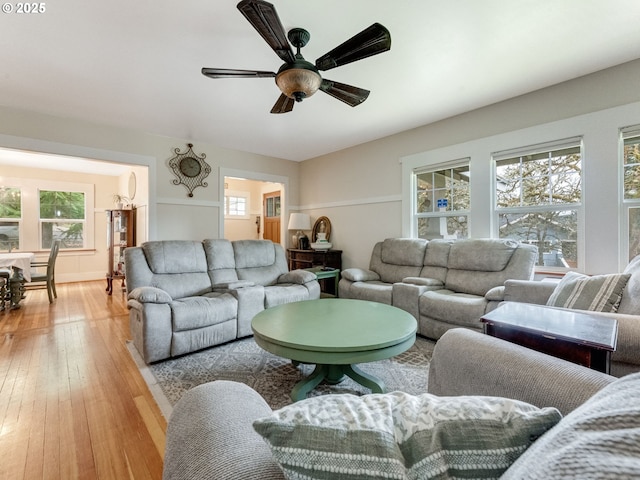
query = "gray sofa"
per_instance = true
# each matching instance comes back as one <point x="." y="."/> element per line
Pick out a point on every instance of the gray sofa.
<point x="626" y="358"/>
<point x="210" y="433"/>
<point x="443" y="283"/>
<point x="186" y="295"/>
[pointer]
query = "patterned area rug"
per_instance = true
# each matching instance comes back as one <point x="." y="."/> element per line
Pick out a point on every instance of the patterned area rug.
<point x="274" y="377"/>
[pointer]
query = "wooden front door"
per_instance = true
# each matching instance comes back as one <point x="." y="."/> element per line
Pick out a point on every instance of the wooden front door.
<point x="271" y="207"/>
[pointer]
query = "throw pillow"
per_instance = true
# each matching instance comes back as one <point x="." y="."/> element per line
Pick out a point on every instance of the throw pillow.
<point x="599" y="439"/>
<point x="401" y="436"/>
<point x="600" y="293"/>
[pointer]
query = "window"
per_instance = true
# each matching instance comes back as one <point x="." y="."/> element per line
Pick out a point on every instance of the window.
<point x="235" y="205"/>
<point x="442" y="202"/>
<point x="538" y="199"/>
<point x="10" y="217"/>
<point x="62" y="217"/>
<point x="35" y="212"/>
<point x="631" y="187"/>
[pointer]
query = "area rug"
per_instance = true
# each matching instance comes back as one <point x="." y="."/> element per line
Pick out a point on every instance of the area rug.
<point x="272" y="376"/>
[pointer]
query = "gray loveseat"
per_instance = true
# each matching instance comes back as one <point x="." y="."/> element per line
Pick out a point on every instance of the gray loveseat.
<point x="210" y="433"/>
<point x="443" y="283"/>
<point x="186" y="295"/>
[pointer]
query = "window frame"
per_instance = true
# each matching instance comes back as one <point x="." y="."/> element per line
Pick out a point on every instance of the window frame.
<point x="236" y="194"/>
<point x="578" y="207"/>
<point x="626" y="204"/>
<point x="433" y="168"/>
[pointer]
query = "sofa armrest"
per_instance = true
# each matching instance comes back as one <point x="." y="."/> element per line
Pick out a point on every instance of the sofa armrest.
<point x="297" y="276"/>
<point x="210" y="435"/>
<point x="149" y="295"/>
<point x="528" y="291"/>
<point x="496" y="294"/>
<point x="470" y="363"/>
<point x="360" y="275"/>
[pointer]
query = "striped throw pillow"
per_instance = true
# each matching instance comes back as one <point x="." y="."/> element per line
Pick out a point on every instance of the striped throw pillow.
<point x="600" y="293"/>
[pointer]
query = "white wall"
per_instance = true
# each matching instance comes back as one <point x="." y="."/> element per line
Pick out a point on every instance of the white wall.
<point x="360" y="189"/>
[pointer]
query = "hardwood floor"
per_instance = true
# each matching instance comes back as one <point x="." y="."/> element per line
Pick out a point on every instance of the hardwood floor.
<point x="72" y="401"/>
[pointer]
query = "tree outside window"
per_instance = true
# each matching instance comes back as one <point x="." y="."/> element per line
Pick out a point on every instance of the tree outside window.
<point x="62" y="217"/>
<point x="537" y="200"/>
<point x="10" y="216"/>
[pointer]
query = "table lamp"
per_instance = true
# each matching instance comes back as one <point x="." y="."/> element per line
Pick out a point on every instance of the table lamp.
<point x="298" y="222"/>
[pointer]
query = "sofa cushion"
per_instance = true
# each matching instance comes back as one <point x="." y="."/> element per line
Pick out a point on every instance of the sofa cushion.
<point x="454" y="308"/>
<point x="600" y="439"/>
<point x="600" y="293"/>
<point x="482" y="254"/>
<point x="374" y="291"/>
<point x="403" y="251"/>
<point x="253" y="253"/>
<point x="202" y="311"/>
<point x="401" y="436"/>
<point x="175" y="256"/>
<point x="221" y="261"/>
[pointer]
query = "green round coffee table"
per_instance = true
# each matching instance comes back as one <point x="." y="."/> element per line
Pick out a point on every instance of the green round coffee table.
<point x="334" y="334"/>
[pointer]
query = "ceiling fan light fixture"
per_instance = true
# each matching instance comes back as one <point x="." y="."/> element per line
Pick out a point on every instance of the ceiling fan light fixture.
<point x="298" y="83"/>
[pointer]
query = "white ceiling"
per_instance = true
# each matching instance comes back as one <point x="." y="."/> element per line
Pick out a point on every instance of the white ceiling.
<point x="136" y="64"/>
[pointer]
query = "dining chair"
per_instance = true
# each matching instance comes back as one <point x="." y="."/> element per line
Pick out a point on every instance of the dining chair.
<point x="46" y="279"/>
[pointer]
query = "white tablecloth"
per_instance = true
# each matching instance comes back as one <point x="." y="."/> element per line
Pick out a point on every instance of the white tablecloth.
<point x="21" y="260"/>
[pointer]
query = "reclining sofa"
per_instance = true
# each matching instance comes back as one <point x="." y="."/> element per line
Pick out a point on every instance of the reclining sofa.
<point x="184" y="296"/>
<point x="442" y="283"/>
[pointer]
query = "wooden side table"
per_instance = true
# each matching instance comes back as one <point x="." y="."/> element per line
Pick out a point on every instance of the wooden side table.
<point x="581" y="338"/>
<point x="305" y="259"/>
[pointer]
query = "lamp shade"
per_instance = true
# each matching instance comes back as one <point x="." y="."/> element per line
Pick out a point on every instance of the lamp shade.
<point x="299" y="221"/>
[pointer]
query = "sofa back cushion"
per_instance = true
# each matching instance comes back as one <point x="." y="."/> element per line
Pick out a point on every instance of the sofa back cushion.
<point x="436" y="259"/>
<point x="260" y="261"/>
<point x="397" y="258"/>
<point x="178" y="267"/>
<point x="221" y="262"/>
<point x="478" y="265"/>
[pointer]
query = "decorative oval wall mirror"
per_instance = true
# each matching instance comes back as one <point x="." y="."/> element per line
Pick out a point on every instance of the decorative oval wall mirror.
<point x="132" y="186"/>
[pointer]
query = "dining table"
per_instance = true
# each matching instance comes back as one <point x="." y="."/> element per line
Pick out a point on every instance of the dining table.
<point x="20" y="264"/>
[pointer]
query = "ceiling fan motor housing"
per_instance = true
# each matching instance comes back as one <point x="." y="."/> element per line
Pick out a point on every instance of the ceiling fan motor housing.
<point x="298" y="80"/>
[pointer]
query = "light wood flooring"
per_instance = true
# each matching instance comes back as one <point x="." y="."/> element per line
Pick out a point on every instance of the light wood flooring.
<point x="72" y="401"/>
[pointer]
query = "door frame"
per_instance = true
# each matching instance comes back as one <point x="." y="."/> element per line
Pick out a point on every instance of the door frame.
<point x="260" y="177"/>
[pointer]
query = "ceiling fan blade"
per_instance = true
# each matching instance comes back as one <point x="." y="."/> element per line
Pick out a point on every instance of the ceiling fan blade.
<point x="371" y="41"/>
<point x="348" y="94"/>
<point x="230" y="73"/>
<point x="264" y="18"/>
<point x="283" y="105"/>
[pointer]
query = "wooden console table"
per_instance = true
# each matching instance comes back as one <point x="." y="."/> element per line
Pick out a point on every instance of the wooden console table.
<point x="580" y="338"/>
<point x="305" y="259"/>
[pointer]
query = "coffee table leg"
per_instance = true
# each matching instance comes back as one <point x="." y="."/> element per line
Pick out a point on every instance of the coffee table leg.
<point x="304" y="386"/>
<point x="375" y="384"/>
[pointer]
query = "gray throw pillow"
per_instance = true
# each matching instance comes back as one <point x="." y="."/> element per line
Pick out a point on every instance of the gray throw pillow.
<point x="600" y="293"/>
<point x="599" y="439"/>
<point x="401" y="436"/>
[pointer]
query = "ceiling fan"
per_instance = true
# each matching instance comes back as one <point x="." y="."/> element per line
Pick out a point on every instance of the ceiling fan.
<point x="297" y="78"/>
